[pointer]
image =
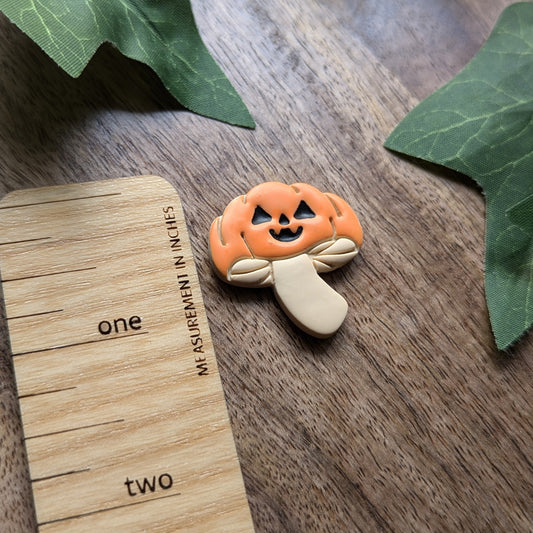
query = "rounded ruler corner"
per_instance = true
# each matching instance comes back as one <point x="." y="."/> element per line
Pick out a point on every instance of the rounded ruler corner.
<point x="124" y="417"/>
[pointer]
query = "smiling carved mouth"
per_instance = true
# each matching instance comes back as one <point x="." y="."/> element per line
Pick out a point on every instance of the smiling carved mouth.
<point x="286" y="234"/>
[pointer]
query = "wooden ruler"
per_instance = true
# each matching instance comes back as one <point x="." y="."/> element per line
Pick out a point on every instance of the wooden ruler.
<point x="125" y="423"/>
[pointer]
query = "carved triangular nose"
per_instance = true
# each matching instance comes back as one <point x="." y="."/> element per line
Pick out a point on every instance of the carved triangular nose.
<point x="283" y="220"/>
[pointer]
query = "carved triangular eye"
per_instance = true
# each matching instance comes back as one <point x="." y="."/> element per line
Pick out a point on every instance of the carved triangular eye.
<point x="260" y="216"/>
<point x="304" y="211"/>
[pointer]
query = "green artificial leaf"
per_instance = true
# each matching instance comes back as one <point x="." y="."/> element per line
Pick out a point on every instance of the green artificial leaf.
<point x="481" y="124"/>
<point x="161" y="34"/>
<point x="521" y="214"/>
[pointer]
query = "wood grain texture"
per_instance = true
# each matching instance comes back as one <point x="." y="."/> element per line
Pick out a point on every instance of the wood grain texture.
<point x="119" y="391"/>
<point x="408" y="419"/>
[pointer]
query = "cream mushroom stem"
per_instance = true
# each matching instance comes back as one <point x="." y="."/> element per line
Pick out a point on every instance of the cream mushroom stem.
<point x="306" y="298"/>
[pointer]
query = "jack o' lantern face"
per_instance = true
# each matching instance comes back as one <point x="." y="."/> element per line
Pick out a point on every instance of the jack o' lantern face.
<point x="285" y="220"/>
<point x="285" y="234"/>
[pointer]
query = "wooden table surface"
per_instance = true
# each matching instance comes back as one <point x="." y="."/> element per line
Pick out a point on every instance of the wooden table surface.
<point x="408" y="419"/>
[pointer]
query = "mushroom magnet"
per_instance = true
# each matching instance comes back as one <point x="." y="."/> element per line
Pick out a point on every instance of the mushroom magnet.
<point x="282" y="236"/>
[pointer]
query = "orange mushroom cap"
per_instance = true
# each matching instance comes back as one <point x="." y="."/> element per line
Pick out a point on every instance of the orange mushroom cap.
<point x="277" y="221"/>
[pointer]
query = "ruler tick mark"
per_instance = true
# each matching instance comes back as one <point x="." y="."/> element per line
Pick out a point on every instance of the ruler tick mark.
<point x="35" y="314"/>
<point x="89" y="426"/>
<point x="45" y="392"/>
<point x="83" y="515"/>
<point x="24" y="240"/>
<point x="62" y="347"/>
<point x="49" y="274"/>
<point x="53" y="476"/>
<point x="62" y="200"/>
